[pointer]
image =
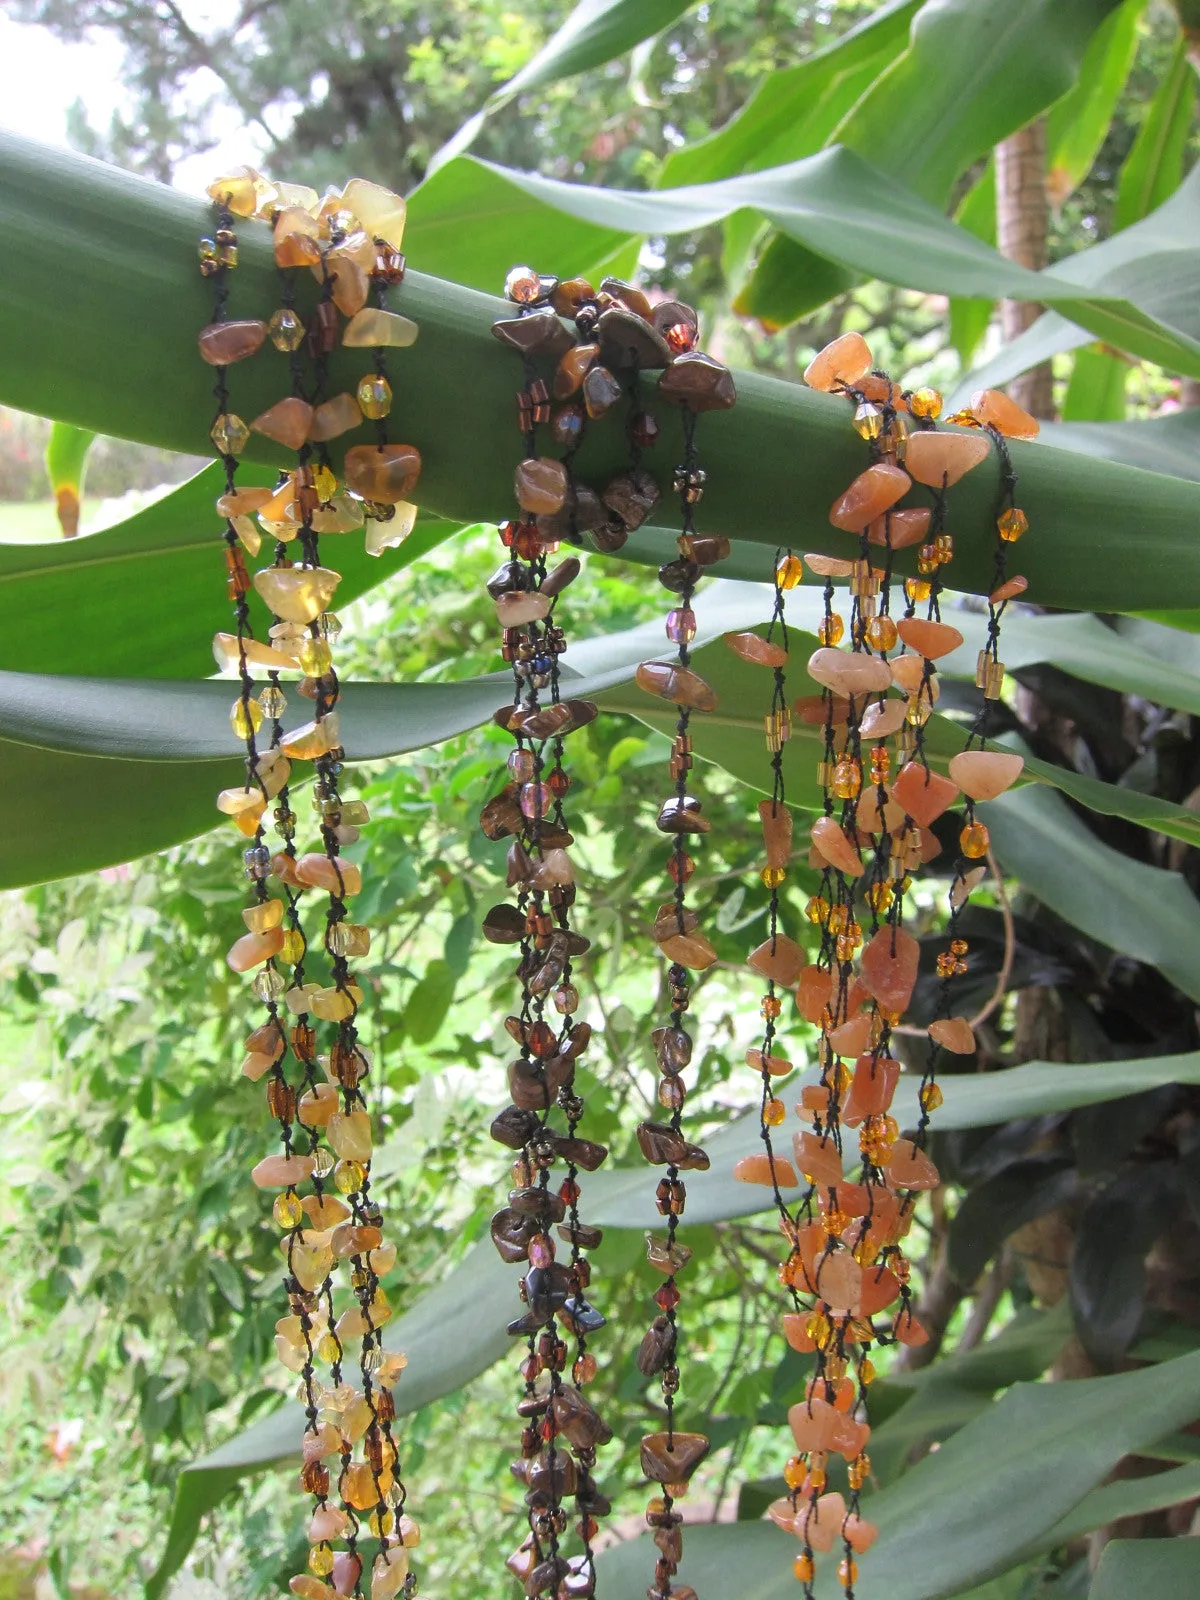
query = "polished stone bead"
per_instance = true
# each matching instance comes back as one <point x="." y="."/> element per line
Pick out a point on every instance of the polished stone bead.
<point x="994" y="409"/>
<point x="779" y="958"/>
<point x="515" y="610"/>
<point x="334" y="417"/>
<point x="512" y="1232"/>
<point x="883" y="718"/>
<point x="295" y="238"/>
<point x="984" y="774"/>
<point x="954" y="1034"/>
<point x="1009" y="591"/>
<point x="871" y="494"/>
<point x="252" y="949"/>
<point x="923" y="793"/>
<point x="698" y="382"/>
<point x="704" y="549"/>
<point x="601" y="391"/>
<point x="338" y="877"/>
<point x="572" y="366"/>
<point x="287" y="422"/>
<point x="540" y="485"/>
<point x="835" y="847"/>
<point x="939" y="459"/>
<point x="910" y="1168"/>
<point x="374" y="329"/>
<point x="817" y="1157"/>
<point x="840" y="364"/>
<point x="776" y="822"/>
<point x="632" y="496"/>
<point x="681" y="816"/>
<point x="764" y="1169"/>
<point x="578" y="1420"/>
<point x="280" y="1172"/>
<point x="539" y="333"/>
<point x="223" y="343"/>
<point x="928" y="638"/>
<point x="672" y="1458"/>
<point x="872" y="1089"/>
<point x="848" y="673"/>
<point x="888" y="967"/>
<point x="381" y="213"/>
<point x="383" y="472"/>
<point x="628" y="340"/>
<point x="901" y="528"/>
<point x="753" y="647"/>
<point x="680" y="685"/>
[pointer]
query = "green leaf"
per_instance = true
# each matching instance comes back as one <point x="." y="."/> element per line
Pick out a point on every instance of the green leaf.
<point x="1096" y="392"/>
<point x="66" y="461"/>
<point x="971" y="76"/>
<point x="969" y="319"/>
<point x="1078" y="124"/>
<point x="1129" y="1497"/>
<point x="142" y="240"/>
<point x="971" y="1509"/>
<point x="979" y="1100"/>
<point x="112" y="586"/>
<point x="794" y="110"/>
<point x="1139" y="910"/>
<point x="1168" y="1569"/>
<point x="452" y="1334"/>
<point x="595" y="32"/>
<point x="1154" y="166"/>
<point x="788" y="282"/>
<point x="1167" y="444"/>
<point x="429" y="1001"/>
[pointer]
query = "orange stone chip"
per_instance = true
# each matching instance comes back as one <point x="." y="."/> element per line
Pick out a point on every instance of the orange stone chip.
<point x="828" y="566"/>
<point x="995" y="409"/>
<point x="765" y="1169"/>
<point x="795" y="1331"/>
<point x="924" y="794"/>
<point x="882" y="719"/>
<point x="752" y="647"/>
<point x="954" y="1034"/>
<point x="812" y="993"/>
<point x="843" y="361"/>
<point x="872" y="493"/>
<point x="817" y="1158"/>
<point x="927" y="638"/>
<point x="902" y="528"/>
<point x="835" y="847"/>
<point x="983" y="774"/>
<point x="910" y="1168"/>
<point x="779" y="958"/>
<point x="1010" y="590"/>
<point x="776" y="1066"/>
<point x="888" y="968"/>
<point x="849" y="673"/>
<point x="943" y="458"/>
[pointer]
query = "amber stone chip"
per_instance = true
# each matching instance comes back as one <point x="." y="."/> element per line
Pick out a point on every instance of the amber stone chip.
<point x="924" y="794"/>
<point x="835" y="847"/>
<point x="777" y="831"/>
<point x="334" y="417"/>
<point x="698" y="382"/>
<point x="572" y="368"/>
<point x="779" y="958"/>
<point x="765" y="1169"/>
<point x="753" y="647"/>
<point x="578" y="1420"/>
<point x="994" y="409"/>
<point x="888" y="967"/>
<point x="872" y="1089"/>
<point x="849" y="673"/>
<point x="223" y="343"/>
<point x="901" y="528"/>
<point x="954" y="1034"/>
<point x="928" y="638"/>
<point x="883" y="719"/>
<point x="984" y="774"/>
<point x="910" y="1168"/>
<point x="540" y="485"/>
<point x="539" y="333"/>
<point x="287" y="422"/>
<point x="680" y="685"/>
<point x="1009" y="591"/>
<point x="661" y="1144"/>
<point x="383" y="472"/>
<point x="871" y="494"/>
<point x="672" y="1458"/>
<point x="944" y="458"/>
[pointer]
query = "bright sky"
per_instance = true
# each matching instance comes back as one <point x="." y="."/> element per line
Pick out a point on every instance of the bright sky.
<point x="43" y="77"/>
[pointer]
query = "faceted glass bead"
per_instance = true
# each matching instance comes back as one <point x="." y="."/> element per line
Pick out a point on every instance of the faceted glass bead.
<point x="272" y="700"/>
<point x="245" y="717"/>
<point x="926" y="403"/>
<point x="287" y="1211"/>
<point x="375" y="396"/>
<point x="269" y="985"/>
<point x="349" y="1176"/>
<point x="1011" y="524"/>
<point x="831" y="629"/>
<point x="681" y="625"/>
<point x="868" y="421"/>
<point x="286" y="329"/>
<point x="789" y="571"/>
<point x="973" y="841"/>
<point x="229" y="433"/>
<point x="881" y="633"/>
<point x="772" y="877"/>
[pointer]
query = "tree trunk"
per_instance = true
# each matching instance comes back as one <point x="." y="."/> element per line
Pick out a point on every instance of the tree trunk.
<point x="1022" y="222"/>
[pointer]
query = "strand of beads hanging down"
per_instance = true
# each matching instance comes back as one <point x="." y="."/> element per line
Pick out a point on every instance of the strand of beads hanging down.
<point x="848" y="1256"/>
<point x="340" y="1416"/>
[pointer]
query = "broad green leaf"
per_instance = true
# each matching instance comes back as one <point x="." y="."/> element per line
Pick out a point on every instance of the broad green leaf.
<point x="1154" y="166"/>
<point x="1051" y="335"/>
<point x="969" y="319"/>
<point x="972" y="75"/>
<point x="1096" y="392"/>
<point x="1078" y="124"/>
<point x="788" y="282"/>
<point x="595" y="32"/>
<point x="58" y="358"/>
<point x="145" y="597"/>
<point x="1169" y="444"/>
<point x="979" y="1100"/>
<point x="1168" y="1569"/>
<point x="1004" y="1202"/>
<point x="1139" y="910"/>
<point x="1129" y="1497"/>
<point x="793" y="111"/>
<point x="968" y="1511"/>
<point x="451" y="1334"/>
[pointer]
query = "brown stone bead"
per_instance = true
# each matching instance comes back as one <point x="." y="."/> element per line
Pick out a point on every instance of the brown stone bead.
<point x="888" y="967"/>
<point x="501" y="817"/>
<point x="504" y="924"/>
<point x="601" y="391"/>
<point x="661" y="1144"/>
<point x="383" y="472"/>
<point x="572" y="367"/>
<point x="841" y="363"/>
<point x="765" y="1169"/>
<point x="559" y="577"/>
<point x="1009" y="591"/>
<point x="586" y="1154"/>
<point x="533" y="1087"/>
<point x="828" y="566"/>
<point x="901" y="528"/>
<point x="691" y="950"/>
<point x="835" y="847"/>
<point x="705" y="549"/>
<point x="672" y="314"/>
<point x="323" y="328"/>
<point x="334" y="417"/>
<point x="924" y="794"/>
<point x="779" y="958"/>
<point x="540" y="333"/>
<point x="570" y="295"/>
<point x="681" y="816"/>
<point x="628" y="340"/>
<point x="223" y="343"/>
<point x="753" y="647"/>
<point x="267" y="1040"/>
<point x="657" y="1348"/>
<point x="632" y="496"/>
<point x="287" y="422"/>
<point x="909" y="673"/>
<point x="847" y="673"/>
<point x="540" y="485"/>
<point x="871" y="494"/>
<point x="680" y="685"/>
<point x="578" y="1420"/>
<point x="928" y="638"/>
<point x="698" y="382"/>
<point x="631" y="297"/>
<point x="880" y="391"/>
<point x="670" y="919"/>
<point x="937" y="458"/>
<point x="672" y="1458"/>
<point x="995" y="409"/>
<point x="984" y="774"/>
<point x="582" y="511"/>
<point x="559" y="719"/>
<point x="882" y="719"/>
<point x="954" y="1034"/>
<point x="813" y="992"/>
<point x="777" y="831"/>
